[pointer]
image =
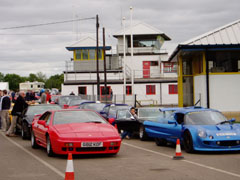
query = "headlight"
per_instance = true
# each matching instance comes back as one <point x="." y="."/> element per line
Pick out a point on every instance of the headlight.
<point x="113" y="143"/>
<point x="68" y="144"/>
<point x="202" y="133"/>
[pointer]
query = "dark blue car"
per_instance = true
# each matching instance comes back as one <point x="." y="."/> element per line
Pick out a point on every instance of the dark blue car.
<point x="110" y="110"/>
<point x="199" y="129"/>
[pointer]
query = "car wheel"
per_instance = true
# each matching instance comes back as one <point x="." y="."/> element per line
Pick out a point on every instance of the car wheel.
<point x="188" y="142"/>
<point x="160" y="142"/>
<point x="50" y="152"/>
<point x="25" y="131"/>
<point x="33" y="141"/>
<point x="142" y="133"/>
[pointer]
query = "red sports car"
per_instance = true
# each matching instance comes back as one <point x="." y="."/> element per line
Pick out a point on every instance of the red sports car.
<point x="74" y="131"/>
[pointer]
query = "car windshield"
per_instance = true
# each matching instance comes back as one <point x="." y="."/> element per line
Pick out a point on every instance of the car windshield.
<point x="149" y="113"/>
<point x="34" y="110"/>
<point x="113" y="109"/>
<point x="204" y="118"/>
<point x="66" y="99"/>
<point x="67" y="117"/>
<point x="94" y="106"/>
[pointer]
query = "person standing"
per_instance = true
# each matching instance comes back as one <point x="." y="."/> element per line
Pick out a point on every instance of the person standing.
<point x="43" y="97"/>
<point x="48" y="96"/>
<point x="5" y="106"/>
<point x="17" y="111"/>
<point x="128" y="134"/>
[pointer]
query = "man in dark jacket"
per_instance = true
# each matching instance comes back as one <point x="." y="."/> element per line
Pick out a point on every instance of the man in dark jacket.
<point x="5" y="104"/>
<point x="17" y="111"/>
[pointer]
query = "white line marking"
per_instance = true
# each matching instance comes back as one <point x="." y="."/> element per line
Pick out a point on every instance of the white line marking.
<point x="36" y="157"/>
<point x="190" y="162"/>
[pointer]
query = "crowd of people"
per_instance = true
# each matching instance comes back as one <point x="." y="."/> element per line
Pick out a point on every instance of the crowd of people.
<point x="21" y="101"/>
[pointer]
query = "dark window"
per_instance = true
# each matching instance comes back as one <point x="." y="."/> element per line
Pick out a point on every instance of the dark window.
<point x="82" y="90"/>
<point x="150" y="89"/>
<point x="224" y="61"/>
<point x="154" y="63"/>
<point x="173" y="89"/>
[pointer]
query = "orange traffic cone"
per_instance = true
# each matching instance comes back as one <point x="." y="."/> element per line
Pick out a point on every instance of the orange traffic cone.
<point x="69" y="175"/>
<point x="178" y="151"/>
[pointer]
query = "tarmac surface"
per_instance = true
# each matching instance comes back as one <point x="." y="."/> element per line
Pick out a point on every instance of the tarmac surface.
<point x="141" y="160"/>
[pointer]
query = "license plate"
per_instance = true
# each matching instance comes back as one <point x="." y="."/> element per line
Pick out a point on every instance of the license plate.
<point x="92" y="144"/>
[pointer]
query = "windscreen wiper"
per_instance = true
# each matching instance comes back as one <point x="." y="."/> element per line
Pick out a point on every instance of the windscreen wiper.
<point x="223" y="122"/>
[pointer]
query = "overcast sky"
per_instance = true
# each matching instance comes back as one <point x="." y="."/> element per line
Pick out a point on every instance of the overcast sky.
<point x="42" y="49"/>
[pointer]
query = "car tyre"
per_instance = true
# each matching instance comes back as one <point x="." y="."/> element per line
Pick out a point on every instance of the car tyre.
<point x="160" y="142"/>
<point x="50" y="152"/>
<point x="142" y="133"/>
<point x="24" y="131"/>
<point x="33" y="141"/>
<point x="188" y="142"/>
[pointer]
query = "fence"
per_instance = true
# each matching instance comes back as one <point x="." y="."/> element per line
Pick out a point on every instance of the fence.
<point x="133" y="100"/>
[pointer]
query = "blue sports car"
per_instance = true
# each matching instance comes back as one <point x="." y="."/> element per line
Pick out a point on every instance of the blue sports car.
<point x="199" y="129"/>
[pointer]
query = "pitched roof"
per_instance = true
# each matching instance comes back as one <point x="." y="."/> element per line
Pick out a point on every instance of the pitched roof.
<point x="228" y="34"/>
<point x="141" y="28"/>
<point x="86" y="42"/>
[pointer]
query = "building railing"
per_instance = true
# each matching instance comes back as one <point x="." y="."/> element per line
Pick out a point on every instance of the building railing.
<point x="132" y="100"/>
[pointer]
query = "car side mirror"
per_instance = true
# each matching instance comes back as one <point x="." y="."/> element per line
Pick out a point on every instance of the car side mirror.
<point x="111" y="120"/>
<point x="172" y="122"/>
<point x="65" y="106"/>
<point x="42" y="122"/>
<point x="232" y="120"/>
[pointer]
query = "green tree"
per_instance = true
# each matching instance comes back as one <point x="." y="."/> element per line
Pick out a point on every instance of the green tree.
<point x="14" y="80"/>
<point x="41" y="77"/>
<point x="1" y="77"/>
<point x="54" y="81"/>
<point x="32" y="77"/>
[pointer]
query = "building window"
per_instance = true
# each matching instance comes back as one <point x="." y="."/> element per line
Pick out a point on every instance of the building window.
<point x="169" y="67"/>
<point x="154" y="63"/>
<point x="128" y="90"/>
<point x="85" y="54"/>
<point x="78" y="54"/>
<point x="88" y="54"/>
<point x="82" y="90"/>
<point x="172" y="89"/>
<point x="150" y="89"/>
<point x="223" y="61"/>
<point x="92" y="54"/>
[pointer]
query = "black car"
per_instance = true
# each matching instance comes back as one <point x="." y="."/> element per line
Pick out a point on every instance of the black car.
<point x="126" y="122"/>
<point x="24" y="123"/>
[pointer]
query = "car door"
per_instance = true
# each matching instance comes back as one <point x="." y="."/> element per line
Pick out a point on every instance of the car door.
<point x="43" y="129"/>
<point x="35" y="126"/>
<point x="168" y="129"/>
<point x="125" y="121"/>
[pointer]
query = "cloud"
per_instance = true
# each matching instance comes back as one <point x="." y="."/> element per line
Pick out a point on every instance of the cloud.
<point x="43" y="48"/>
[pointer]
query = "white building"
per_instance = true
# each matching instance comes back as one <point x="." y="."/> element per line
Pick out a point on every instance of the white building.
<point x="209" y="69"/>
<point x="154" y="80"/>
<point x="34" y="86"/>
<point x="4" y="86"/>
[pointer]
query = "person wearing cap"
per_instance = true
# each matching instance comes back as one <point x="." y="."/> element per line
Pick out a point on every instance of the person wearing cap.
<point x="18" y="108"/>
